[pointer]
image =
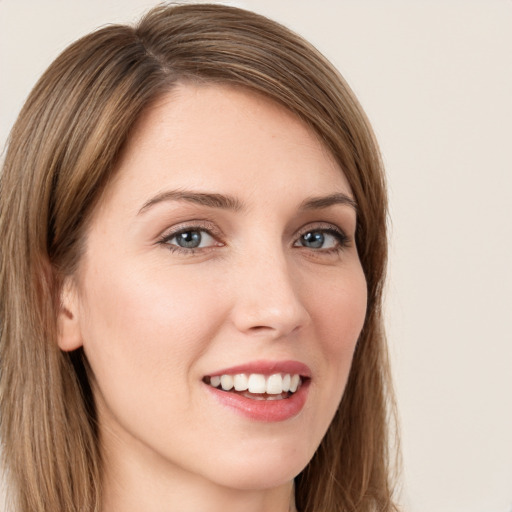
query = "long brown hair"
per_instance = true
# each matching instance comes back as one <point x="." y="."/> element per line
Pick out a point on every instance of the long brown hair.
<point x="61" y="153"/>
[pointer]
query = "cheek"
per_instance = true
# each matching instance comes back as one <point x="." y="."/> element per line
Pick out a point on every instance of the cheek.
<point x="340" y="312"/>
<point x="337" y="305"/>
<point x="140" y="325"/>
<point x="143" y="331"/>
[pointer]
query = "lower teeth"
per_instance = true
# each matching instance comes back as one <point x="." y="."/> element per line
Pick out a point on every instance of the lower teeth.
<point x="264" y="396"/>
<point x="259" y="396"/>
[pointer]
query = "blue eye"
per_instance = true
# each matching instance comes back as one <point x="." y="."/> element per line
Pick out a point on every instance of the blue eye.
<point x="325" y="239"/>
<point x="313" y="239"/>
<point x="190" y="239"/>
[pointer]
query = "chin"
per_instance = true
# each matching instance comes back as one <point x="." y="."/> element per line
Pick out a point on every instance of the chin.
<point x="270" y="468"/>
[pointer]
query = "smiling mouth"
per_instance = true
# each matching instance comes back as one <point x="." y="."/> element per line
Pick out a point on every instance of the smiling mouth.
<point x="257" y="386"/>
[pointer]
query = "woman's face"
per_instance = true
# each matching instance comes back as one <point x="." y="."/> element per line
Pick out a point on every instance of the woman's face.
<point x="222" y="251"/>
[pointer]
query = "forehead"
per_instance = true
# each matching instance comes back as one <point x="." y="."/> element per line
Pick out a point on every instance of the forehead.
<point x="220" y="136"/>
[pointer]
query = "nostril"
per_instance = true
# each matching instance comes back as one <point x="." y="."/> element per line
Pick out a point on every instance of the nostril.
<point x="273" y="331"/>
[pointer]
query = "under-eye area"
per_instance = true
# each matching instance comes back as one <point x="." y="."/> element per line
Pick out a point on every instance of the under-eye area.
<point x="257" y="386"/>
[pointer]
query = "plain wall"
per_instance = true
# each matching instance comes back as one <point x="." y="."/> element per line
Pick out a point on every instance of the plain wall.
<point x="435" y="78"/>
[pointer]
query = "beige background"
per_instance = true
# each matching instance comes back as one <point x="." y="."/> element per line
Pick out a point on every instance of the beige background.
<point x="435" y="78"/>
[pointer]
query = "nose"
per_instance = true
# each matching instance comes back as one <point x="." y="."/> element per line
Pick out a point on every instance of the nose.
<point x="269" y="298"/>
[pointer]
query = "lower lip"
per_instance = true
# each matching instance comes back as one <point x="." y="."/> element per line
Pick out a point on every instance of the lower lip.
<point x="263" y="410"/>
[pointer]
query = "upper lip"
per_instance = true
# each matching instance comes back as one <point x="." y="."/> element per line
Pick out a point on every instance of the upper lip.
<point x="266" y="367"/>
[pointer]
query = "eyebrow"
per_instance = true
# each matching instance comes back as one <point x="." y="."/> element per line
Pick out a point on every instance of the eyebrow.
<point x="227" y="202"/>
<point x="224" y="202"/>
<point x="317" y="203"/>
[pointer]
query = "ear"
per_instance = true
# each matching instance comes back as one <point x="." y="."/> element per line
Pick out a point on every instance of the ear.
<point x="68" y="325"/>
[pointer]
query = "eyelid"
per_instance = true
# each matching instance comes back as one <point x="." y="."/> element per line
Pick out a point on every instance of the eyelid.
<point x="213" y="231"/>
<point x="323" y="226"/>
<point x="192" y="225"/>
<point x="327" y="227"/>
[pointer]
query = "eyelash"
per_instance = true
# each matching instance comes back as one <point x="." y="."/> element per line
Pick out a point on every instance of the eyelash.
<point x="340" y="236"/>
<point x="343" y="241"/>
<point x="208" y="229"/>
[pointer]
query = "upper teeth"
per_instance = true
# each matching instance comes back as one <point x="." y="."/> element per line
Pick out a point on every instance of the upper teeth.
<point x="257" y="382"/>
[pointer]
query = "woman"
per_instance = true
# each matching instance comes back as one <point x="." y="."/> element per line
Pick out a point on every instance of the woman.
<point x="193" y="226"/>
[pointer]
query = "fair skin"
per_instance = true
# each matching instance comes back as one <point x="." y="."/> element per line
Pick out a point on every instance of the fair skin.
<point x="211" y="250"/>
